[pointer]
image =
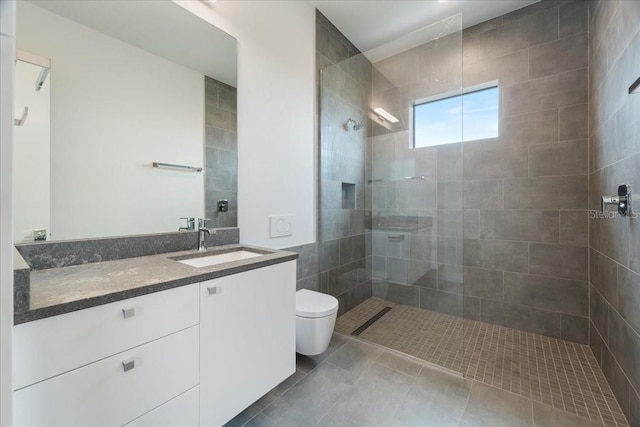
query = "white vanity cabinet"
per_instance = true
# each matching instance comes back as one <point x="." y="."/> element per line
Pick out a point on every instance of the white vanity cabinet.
<point x="193" y="355"/>
<point x="247" y="339"/>
<point x="108" y="365"/>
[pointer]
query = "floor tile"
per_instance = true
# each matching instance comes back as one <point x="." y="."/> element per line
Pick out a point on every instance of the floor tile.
<point x="400" y="363"/>
<point x="373" y="399"/>
<point x="309" y="400"/>
<point x="550" y="371"/>
<point x="355" y="356"/>
<point x="261" y="421"/>
<point x="547" y="416"/>
<point x="492" y="407"/>
<point x="307" y="363"/>
<point x="435" y="399"/>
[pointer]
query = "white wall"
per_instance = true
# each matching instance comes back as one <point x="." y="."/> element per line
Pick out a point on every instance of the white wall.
<point x="31" y="148"/>
<point x="7" y="55"/>
<point x="276" y="84"/>
<point x="115" y="109"/>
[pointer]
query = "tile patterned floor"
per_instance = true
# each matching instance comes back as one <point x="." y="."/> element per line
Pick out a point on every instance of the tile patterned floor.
<point x="360" y="384"/>
<point x="550" y="371"/>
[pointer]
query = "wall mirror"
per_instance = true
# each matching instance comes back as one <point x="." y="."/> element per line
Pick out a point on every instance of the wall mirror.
<point x="103" y="90"/>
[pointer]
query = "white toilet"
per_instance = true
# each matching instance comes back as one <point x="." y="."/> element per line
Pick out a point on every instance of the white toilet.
<point x="315" y="318"/>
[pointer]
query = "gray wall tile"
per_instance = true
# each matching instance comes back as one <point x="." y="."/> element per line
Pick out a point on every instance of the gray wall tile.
<point x="625" y="347"/>
<point x="604" y="276"/>
<point x="493" y="159"/>
<point x="558" y="159"/>
<point x="553" y="91"/>
<point x="483" y="194"/>
<point x="634" y="408"/>
<point x="539" y="127"/>
<point x="423" y="274"/>
<point x="596" y="343"/>
<point x="512" y="36"/>
<point x="616" y="378"/>
<point x="574" y="18"/>
<point x="471" y="308"/>
<point x="483" y="27"/>
<point x="561" y="295"/>
<point x="532" y="226"/>
<point x="573" y="122"/>
<point x="629" y="296"/>
<point x="401" y="294"/>
<point x="567" y="192"/>
<point x="575" y="328"/>
<point x="398" y="270"/>
<point x="574" y="227"/>
<point x="520" y="317"/>
<point x="496" y="254"/>
<point x="441" y="302"/>
<point x="221" y="158"/>
<point x="450" y="278"/>
<point x="508" y="69"/>
<point x="599" y="313"/>
<point x="449" y="222"/>
<point x="482" y="283"/>
<point x="471" y="224"/>
<point x="566" y="54"/>
<point x="570" y="262"/>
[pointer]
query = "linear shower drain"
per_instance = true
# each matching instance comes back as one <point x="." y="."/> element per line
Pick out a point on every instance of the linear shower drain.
<point x="370" y="322"/>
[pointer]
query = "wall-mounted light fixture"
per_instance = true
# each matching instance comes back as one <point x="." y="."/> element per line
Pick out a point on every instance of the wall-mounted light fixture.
<point x="635" y="87"/>
<point x="383" y="114"/>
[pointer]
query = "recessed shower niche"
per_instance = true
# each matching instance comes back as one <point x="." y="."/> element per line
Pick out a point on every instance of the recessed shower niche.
<point x="348" y="196"/>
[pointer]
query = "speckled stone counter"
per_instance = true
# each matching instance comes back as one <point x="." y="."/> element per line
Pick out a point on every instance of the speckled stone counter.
<point x="61" y="290"/>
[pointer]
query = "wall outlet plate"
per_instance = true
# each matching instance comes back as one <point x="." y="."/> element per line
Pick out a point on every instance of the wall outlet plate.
<point x="281" y="225"/>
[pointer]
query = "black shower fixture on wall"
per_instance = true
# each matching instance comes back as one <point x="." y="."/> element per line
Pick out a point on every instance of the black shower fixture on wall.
<point x="635" y="87"/>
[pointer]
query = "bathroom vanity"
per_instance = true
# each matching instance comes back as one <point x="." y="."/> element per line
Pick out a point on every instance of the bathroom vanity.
<point x="153" y="340"/>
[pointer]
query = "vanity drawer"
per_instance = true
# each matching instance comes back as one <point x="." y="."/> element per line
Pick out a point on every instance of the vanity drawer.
<point x="48" y="347"/>
<point x="105" y="393"/>
<point x="181" y="411"/>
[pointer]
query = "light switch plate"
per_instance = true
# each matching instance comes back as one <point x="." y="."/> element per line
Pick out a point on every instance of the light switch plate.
<point x="281" y="225"/>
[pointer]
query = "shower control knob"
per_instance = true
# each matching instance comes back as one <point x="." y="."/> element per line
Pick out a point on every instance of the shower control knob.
<point x="622" y="200"/>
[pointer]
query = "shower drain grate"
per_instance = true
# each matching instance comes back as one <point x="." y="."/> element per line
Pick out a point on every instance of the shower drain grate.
<point x="371" y="321"/>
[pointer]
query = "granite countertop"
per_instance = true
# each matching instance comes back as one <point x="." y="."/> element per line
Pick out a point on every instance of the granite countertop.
<point x="61" y="290"/>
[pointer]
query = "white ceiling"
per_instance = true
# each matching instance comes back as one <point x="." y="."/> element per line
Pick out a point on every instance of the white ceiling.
<point x="373" y="23"/>
<point x="154" y="26"/>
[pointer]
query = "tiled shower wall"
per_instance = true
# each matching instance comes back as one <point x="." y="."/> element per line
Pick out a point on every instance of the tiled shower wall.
<point x="221" y="152"/>
<point x="614" y="160"/>
<point x="337" y="263"/>
<point x="525" y="193"/>
<point x="343" y="241"/>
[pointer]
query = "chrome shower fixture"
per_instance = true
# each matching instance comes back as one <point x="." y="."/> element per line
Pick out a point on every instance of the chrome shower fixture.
<point x="353" y="125"/>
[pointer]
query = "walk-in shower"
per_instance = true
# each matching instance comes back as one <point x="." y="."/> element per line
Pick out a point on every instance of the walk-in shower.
<point x="454" y="226"/>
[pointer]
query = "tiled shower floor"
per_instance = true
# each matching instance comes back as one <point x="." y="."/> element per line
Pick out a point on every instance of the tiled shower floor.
<point x="559" y="373"/>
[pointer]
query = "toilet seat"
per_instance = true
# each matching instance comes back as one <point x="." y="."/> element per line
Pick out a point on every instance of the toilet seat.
<point x="312" y="304"/>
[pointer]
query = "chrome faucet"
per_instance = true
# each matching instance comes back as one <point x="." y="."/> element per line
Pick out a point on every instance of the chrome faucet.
<point x="202" y="233"/>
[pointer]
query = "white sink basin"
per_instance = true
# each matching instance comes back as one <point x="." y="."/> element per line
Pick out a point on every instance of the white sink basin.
<point x="207" y="261"/>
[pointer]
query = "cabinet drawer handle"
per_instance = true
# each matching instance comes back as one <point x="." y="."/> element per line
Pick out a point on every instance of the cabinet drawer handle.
<point x="128" y="312"/>
<point x="212" y="290"/>
<point x="128" y="365"/>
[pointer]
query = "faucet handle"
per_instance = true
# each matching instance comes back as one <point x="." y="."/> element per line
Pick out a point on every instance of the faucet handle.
<point x="191" y="223"/>
<point x="202" y="221"/>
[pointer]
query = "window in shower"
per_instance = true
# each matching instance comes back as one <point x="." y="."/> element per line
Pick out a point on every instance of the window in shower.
<point x="467" y="117"/>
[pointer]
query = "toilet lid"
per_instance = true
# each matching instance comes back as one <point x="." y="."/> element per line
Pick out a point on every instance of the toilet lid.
<point x="315" y="304"/>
